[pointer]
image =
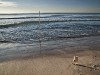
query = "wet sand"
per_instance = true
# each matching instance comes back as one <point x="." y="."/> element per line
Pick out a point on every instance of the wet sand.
<point x="54" y="58"/>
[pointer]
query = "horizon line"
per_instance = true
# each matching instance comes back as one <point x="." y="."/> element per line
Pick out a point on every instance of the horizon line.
<point x="53" y="13"/>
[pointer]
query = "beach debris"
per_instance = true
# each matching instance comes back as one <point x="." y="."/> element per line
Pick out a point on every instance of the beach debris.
<point x="96" y="67"/>
<point x="75" y="60"/>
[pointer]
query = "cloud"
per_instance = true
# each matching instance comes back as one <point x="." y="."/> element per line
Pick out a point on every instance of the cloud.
<point x="6" y="3"/>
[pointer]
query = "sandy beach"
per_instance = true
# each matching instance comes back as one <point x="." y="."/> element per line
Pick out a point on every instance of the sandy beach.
<point x="57" y="61"/>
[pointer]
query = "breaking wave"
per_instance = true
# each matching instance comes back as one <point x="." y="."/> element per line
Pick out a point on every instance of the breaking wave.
<point x="26" y="28"/>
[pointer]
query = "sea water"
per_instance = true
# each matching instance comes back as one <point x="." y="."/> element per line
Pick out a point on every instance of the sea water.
<point x="25" y="28"/>
<point x="22" y="35"/>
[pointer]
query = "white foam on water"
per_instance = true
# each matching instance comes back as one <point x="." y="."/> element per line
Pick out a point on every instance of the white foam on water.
<point x="8" y="45"/>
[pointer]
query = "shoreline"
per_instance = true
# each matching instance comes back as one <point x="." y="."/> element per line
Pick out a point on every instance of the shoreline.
<point x="13" y="51"/>
<point x="54" y="59"/>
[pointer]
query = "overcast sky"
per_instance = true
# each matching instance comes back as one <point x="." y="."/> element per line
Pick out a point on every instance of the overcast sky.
<point x="33" y="6"/>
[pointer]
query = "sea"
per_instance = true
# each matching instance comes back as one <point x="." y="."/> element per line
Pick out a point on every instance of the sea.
<point x="30" y="29"/>
<point x="26" y="29"/>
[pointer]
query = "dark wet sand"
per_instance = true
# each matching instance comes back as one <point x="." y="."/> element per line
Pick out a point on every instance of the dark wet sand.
<point x="55" y="58"/>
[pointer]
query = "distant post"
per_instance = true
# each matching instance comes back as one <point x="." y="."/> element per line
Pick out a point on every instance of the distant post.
<point x="40" y="33"/>
<point x="39" y="17"/>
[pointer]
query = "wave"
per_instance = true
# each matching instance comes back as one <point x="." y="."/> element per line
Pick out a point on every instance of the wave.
<point x="27" y="16"/>
<point x="57" y="16"/>
<point x="17" y="24"/>
<point x="21" y="18"/>
<point x="47" y="39"/>
<point x="5" y="41"/>
<point x="37" y="22"/>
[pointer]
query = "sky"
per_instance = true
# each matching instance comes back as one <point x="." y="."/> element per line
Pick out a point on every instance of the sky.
<point x="50" y="6"/>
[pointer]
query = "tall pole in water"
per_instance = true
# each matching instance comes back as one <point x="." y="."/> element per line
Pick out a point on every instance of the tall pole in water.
<point x="39" y="17"/>
<point x="40" y="33"/>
